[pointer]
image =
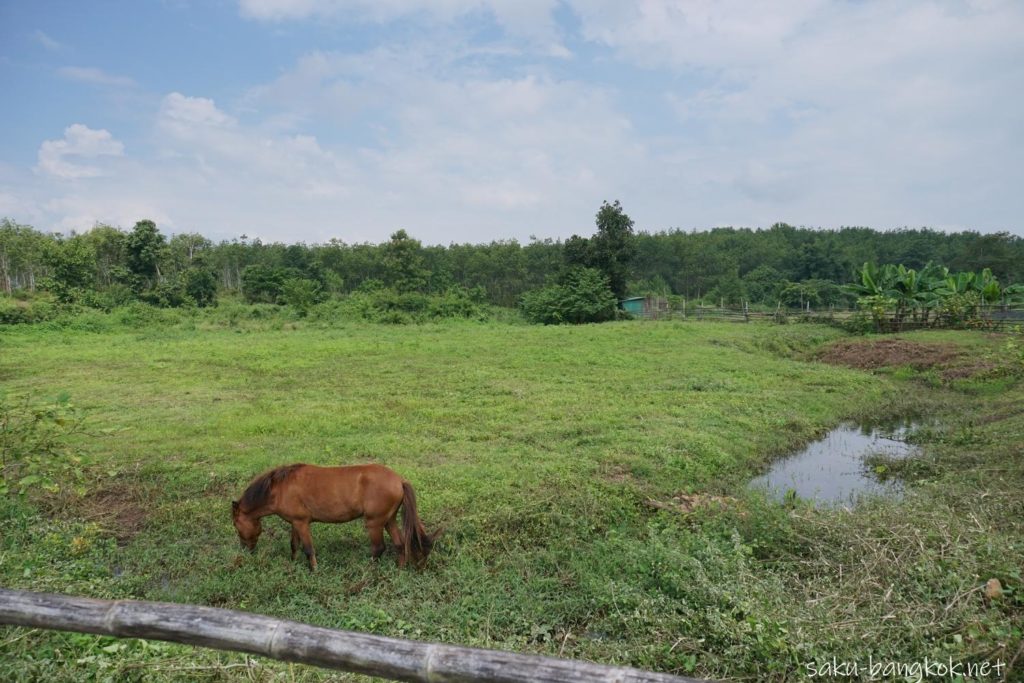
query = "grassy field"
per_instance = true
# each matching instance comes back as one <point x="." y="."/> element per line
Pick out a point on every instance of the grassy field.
<point x="537" y="448"/>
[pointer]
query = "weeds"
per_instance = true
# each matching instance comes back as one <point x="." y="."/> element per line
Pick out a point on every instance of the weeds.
<point x="35" y="443"/>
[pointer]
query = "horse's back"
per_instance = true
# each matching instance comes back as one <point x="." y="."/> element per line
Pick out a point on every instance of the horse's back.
<point x="344" y="493"/>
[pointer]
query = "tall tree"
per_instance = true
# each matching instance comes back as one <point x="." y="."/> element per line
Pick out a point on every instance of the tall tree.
<point x="186" y="247"/>
<point x="108" y="243"/>
<point x="72" y="265"/>
<point x="614" y="246"/>
<point x="144" y="247"/>
<point x="403" y="263"/>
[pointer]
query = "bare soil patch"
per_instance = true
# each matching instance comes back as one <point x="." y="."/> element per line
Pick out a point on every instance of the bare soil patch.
<point x="119" y="509"/>
<point x="950" y="361"/>
<point x="894" y="352"/>
<point x="685" y="503"/>
<point x="969" y="368"/>
<point x="618" y="474"/>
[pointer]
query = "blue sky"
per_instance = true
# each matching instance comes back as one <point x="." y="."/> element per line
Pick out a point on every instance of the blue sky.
<point x="468" y="120"/>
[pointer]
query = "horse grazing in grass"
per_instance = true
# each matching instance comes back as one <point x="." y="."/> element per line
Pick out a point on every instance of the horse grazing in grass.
<point x="301" y="494"/>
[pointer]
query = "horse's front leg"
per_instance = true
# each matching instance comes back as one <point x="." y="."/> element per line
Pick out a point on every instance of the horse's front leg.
<point x="295" y="542"/>
<point x="306" y="538"/>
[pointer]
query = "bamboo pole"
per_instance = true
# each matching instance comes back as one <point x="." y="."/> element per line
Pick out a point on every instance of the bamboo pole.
<point x="290" y="641"/>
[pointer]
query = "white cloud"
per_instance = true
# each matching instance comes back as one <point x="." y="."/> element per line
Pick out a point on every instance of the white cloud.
<point x="195" y="128"/>
<point x="454" y="156"/>
<point x="46" y="41"/>
<point x="827" y="113"/>
<point x="190" y="112"/>
<point x="13" y="205"/>
<point x="79" y="141"/>
<point x="448" y="150"/>
<point x="696" y="33"/>
<point x="94" y="76"/>
<point x="80" y="212"/>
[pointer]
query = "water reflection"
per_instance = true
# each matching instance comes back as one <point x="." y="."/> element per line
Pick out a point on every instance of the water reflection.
<point x="831" y="471"/>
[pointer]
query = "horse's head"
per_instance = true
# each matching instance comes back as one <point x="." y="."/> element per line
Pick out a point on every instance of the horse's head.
<point x="249" y="528"/>
<point x="426" y="545"/>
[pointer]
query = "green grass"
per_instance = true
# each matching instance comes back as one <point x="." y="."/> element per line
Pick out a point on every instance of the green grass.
<point x="536" y="447"/>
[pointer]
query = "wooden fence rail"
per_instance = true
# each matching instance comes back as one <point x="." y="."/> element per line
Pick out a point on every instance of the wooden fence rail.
<point x="999" y="318"/>
<point x="290" y="641"/>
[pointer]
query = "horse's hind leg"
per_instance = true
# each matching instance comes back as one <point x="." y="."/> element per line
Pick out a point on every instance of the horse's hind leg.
<point x="295" y="542"/>
<point x="306" y="538"/>
<point x="375" y="529"/>
<point x="396" y="540"/>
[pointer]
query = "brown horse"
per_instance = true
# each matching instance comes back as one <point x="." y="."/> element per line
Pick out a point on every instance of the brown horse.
<point x="301" y="494"/>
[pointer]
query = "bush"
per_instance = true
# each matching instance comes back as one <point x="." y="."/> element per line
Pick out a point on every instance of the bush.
<point x="231" y="312"/>
<point x="85" y="320"/>
<point x="582" y="296"/>
<point x="15" y="312"/>
<point x="139" y="315"/>
<point x="168" y="294"/>
<point x="34" y="438"/>
<point x="959" y="309"/>
<point x="459" y="302"/>
<point x="385" y="305"/>
<point x="262" y="284"/>
<point x="300" y="294"/>
<point x="200" y="286"/>
<point x="114" y="296"/>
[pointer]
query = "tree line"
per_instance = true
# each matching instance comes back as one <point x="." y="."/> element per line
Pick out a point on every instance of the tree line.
<point x="107" y="266"/>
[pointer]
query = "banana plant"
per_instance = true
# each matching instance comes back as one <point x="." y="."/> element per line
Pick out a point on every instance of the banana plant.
<point x="908" y="292"/>
<point x="1013" y="294"/>
<point x="957" y="283"/>
<point x="873" y="281"/>
<point x="928" y="285"/>
<point x="986" y="284"/>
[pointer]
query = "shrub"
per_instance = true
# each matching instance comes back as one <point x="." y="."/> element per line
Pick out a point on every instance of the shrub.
<point x="34" y="438"/>
<point x="115" y="295"/>
<point x="262" y="284"/>
<point x="200" y="286"/>
<point x="168" y="294"/>
<point x="385" y="305"/>
<point x="138" y="314"/>
<point x="300" y="294"/>
<point x="958" y="309"/>
<point x="37" y="309"/>
<point x="582" y="296"/>
<point x="459" y="302"/>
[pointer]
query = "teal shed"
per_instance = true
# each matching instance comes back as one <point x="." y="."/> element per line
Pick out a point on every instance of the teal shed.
<point x="646" y="307"/>
<point x="634" y="306"/>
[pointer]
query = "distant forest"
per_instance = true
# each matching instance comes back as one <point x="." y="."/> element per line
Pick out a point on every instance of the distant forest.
<point x="763" y="266"/>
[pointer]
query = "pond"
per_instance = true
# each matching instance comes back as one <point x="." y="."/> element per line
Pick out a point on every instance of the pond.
<point x="831" y="471"/>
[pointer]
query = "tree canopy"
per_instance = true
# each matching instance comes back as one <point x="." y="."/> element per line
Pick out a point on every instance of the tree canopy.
<point x="780" y="264"/>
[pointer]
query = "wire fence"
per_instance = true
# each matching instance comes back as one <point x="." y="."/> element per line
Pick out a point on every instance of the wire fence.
<point x="999" y="318"/>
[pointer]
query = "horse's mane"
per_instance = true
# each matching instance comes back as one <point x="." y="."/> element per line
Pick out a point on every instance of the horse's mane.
<point x="259" y="490"/>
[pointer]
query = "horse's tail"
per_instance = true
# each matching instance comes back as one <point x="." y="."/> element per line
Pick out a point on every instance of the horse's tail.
<point x="416" y="542"/>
